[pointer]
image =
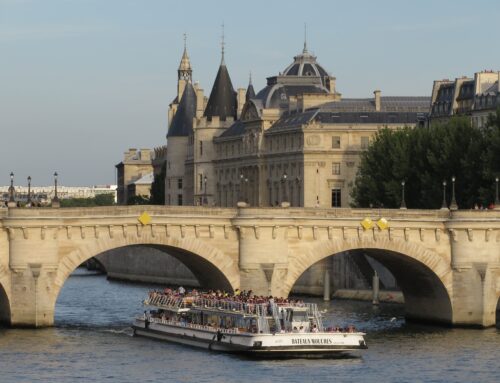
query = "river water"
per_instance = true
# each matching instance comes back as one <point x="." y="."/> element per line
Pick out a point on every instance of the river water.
<point x="92" y="342"/>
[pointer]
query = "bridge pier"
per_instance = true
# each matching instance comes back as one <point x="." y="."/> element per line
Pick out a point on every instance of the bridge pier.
<point x="474" y="299"/>
<point x="32" y="301"/>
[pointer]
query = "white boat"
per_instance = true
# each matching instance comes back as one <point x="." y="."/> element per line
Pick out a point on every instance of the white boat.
<point x="226" y="324"/>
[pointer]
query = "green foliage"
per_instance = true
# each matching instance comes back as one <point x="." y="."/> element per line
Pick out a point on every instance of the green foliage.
<point x="106" y="199"/>
<point x="138" y="200"/>
<point x="423" y="158"/>
<point x="158" y="187"/>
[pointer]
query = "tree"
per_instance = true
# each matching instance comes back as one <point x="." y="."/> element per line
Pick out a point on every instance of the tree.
<point x="158" y="187"/>
<point x="138" y="200"/>
<point x="106" y="199"/>
<point x="423" y="158"/>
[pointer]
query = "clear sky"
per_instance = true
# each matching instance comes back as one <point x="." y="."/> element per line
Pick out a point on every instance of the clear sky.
<point x="83" y="80"/>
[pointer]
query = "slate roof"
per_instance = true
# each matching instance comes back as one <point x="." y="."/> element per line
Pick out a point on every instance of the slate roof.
<point x="222" y="101"/>
<point x="387" y="104"/>
<point x="236" y="129"/>
<point x="272" y="96"/>
<point x="250" y="92"/>
<point x="182" y="123"/>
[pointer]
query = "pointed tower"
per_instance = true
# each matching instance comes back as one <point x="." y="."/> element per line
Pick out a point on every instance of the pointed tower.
<point x="185" y="72"/>
<point x="250" y="90"/>
<point x="180" y="130"/>
<point x="222" y="101"/>
<point x="182" y="123"/>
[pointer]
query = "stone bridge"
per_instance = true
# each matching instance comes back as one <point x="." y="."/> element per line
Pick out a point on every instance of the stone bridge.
<point x="447" y="263"/>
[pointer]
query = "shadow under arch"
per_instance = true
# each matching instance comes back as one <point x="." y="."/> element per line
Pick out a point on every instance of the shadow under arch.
<point x="212" y="266"/>
<point x="424" y="277"/>
<point x="4" y="307"/>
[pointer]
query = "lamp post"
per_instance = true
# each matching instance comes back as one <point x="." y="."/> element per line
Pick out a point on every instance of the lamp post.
<point x="444" y="205"/>
<point x="403" y="203"/>
<point x="283" y="182"/>
<point x="28" y="201"/>
<point x="11" y="188"/>
<point x="246" y="189"/>
<point x="55" y="200"/>
<point x="497" y="201"/>
<point x="453" y="204"/>
<point x="205" y="201"/>
<point x="240" y="191"/>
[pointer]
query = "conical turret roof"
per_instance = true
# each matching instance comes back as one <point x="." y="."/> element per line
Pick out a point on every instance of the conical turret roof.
<point x="222" y="101"/>
<point x="182" y="123"/>
<point x="250" y="90"/>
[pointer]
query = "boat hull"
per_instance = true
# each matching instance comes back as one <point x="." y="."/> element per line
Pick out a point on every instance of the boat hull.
<point x="260" y="345"/>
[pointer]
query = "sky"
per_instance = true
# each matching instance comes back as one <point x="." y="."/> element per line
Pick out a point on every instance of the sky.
<point x="81" y="81"/>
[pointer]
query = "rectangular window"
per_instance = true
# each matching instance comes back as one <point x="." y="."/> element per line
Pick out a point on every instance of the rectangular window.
<point x="179" y="183"/>
<point x="336" y="198"/>
<point x="200" y="181"/>
<point x="365" y="142"/>
<point x="179" y="199"/>
<point x="201" y="148"/>
<point x="336" y="142"/>
<point x="336" y="168"/>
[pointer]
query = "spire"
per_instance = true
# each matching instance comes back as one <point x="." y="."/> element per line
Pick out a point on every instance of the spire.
<point x="185" y="70"/>
<point x="182" y="123"/>
<point x="304" y="51"/>
<point x="250" y="90"/>
<point x="222" y="46"/>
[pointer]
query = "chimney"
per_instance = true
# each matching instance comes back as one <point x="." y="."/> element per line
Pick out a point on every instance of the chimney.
<point x="330" y="84"/>
<point x="241" y="99"/>
<point x="376" y="93"/>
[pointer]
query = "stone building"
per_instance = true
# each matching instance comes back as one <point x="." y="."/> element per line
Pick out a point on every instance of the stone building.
<point x="135" y="165"/>
<point x="296" y="141"/>
<point x="476" y="97"/>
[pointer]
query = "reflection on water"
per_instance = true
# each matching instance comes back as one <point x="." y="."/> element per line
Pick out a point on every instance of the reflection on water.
<point x="92" y="342"/>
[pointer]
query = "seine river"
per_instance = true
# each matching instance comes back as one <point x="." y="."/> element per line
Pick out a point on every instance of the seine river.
<point x="92" y="342"/>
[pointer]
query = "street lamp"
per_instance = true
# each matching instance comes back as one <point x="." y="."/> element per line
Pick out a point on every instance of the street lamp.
<point x="11" y="188"/>
<point x="240" y="191"/>
<point x="453" y="204"/>
<point x="205" y="190"/>
<point x="403" y="203"/>
<point x="444" y="205"/>
<point x="497" y="201"/>
<point x="28" y="202"/>
<point x="283" y="181"/>
<point x="246" y="189"/>
<point x="55" y="200"/>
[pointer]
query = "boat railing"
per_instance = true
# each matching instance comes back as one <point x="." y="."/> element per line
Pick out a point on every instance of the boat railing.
<point x="194" y="326"/>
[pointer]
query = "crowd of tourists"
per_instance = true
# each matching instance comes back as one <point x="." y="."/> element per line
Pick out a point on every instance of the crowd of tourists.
<point x="239" y="296"/>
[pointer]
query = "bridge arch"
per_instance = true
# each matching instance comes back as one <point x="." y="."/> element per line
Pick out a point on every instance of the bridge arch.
<point x="208" y="264"/>
<point x="424" y="276"/>
<point x="4" y="303"/>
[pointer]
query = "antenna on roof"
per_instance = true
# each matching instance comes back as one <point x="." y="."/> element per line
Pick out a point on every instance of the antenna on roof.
<point x="305" y="38"/>
<point x="222" y="44"/>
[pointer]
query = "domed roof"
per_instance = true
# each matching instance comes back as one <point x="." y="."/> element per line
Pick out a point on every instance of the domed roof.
<point x="305" y="64"/>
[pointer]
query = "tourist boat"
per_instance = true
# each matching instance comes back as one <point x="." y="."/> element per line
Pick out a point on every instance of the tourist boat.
<point x="287" y="328"/>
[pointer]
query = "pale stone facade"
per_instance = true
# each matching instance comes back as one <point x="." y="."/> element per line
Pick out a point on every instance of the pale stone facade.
<point x="297" y="141"/>
<point x="476" y="97"/>
<point x="135" y="165"/>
